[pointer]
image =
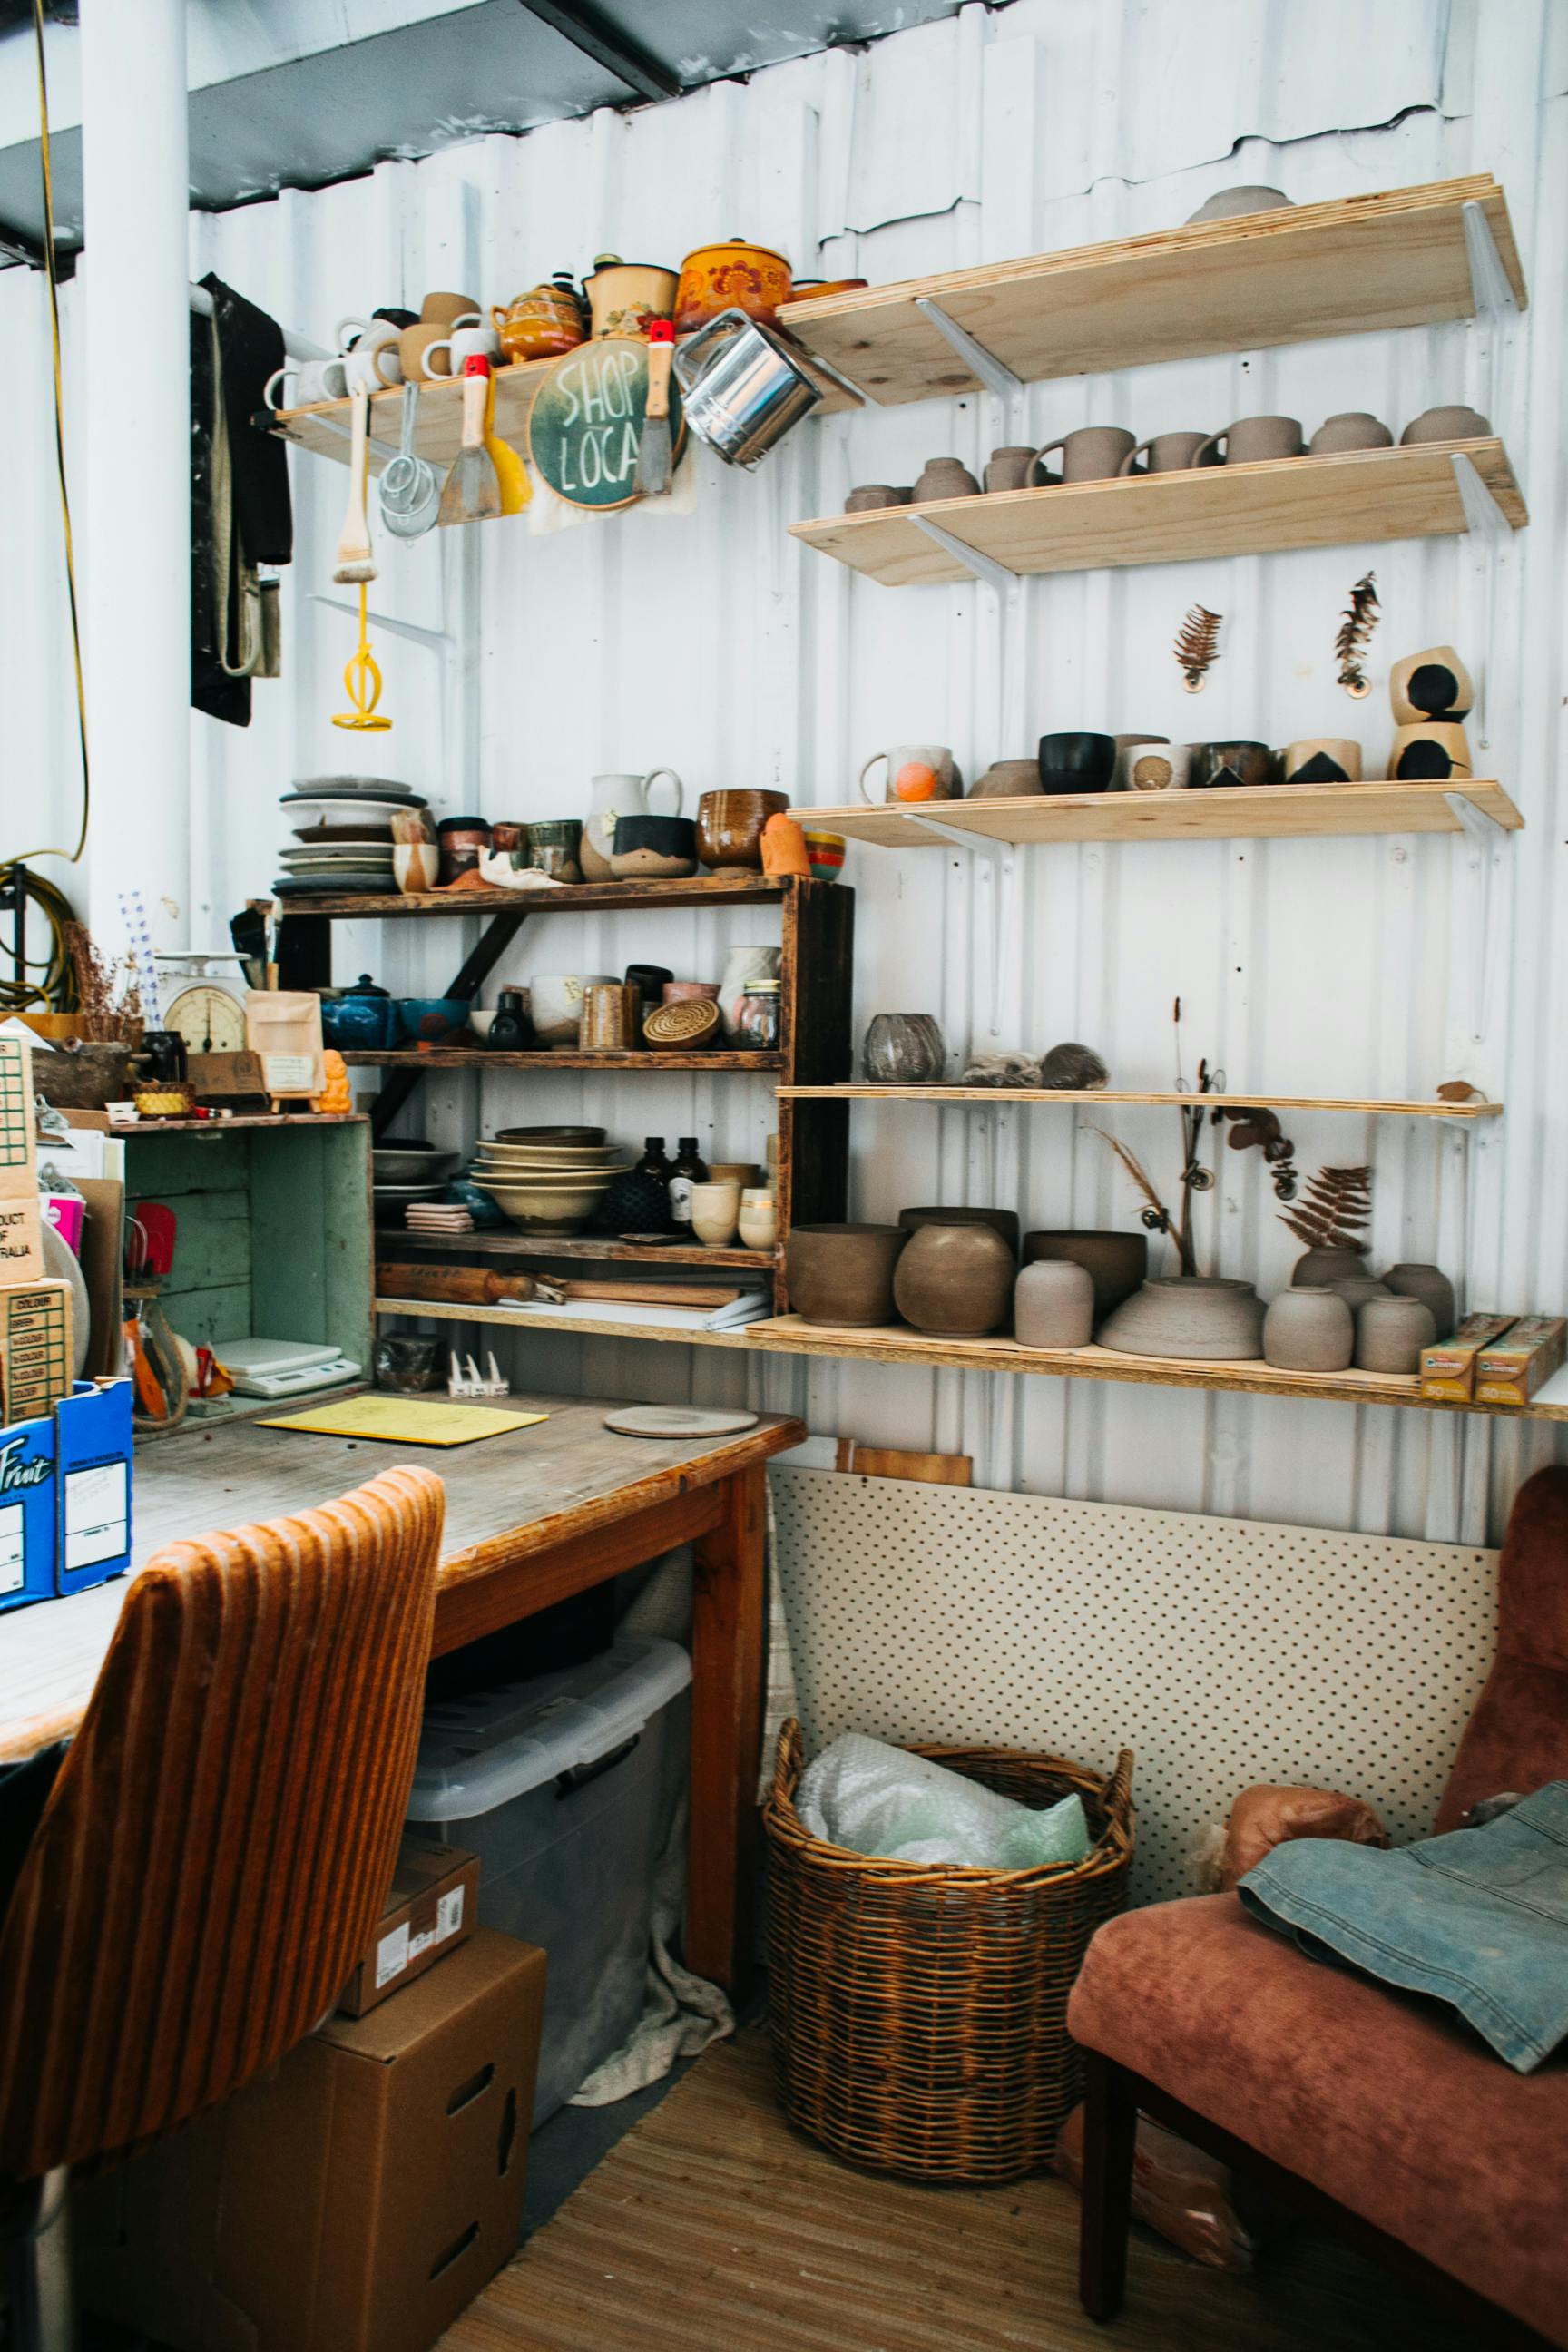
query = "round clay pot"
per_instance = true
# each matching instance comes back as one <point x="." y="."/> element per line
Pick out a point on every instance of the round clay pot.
<point x="1203" y="1318"/>
<point x="945" y="477"/>
<point x="954" y="1282"/>
<point x="1390" y="1334"/>
<point x="1432" y="1286"/>
<point x="1355" y="1289"/>
<point x="1317" y="1266"/>
<point x="1077" y="763"/>
<point x="652" y="847"/>
<point x="1116" y="1263"/>
<point x="730" y="826"/>
<point x="1053" y="1304"/>
<point x="1309" y="1330"/>
<point x="1001" y="1221"/>
<point x="843" y="1274"/>
<point x="904" y="1049"/>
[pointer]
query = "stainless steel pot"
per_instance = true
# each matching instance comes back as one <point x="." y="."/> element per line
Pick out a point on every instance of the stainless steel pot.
<point x="742" y="387"/>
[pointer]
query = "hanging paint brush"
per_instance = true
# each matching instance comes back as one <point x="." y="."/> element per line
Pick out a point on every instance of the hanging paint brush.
<point x="473" y="487"/>
<point x="653" y="450"/>
<point x="355" y="562"/>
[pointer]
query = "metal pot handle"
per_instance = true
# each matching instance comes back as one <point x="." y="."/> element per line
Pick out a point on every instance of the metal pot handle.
<point x="686" y="374"/>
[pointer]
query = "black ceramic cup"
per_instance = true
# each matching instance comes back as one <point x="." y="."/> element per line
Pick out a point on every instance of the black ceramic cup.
<point x="648" y="980"/>
<point x="1077" y="763"/>
<point x="654" y="846"/>
<point x="1226" y="766"/>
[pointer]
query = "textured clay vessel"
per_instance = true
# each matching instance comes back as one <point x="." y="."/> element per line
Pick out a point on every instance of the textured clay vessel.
<point x="1309" y="1330"/>
<point x="1053" y="1304"/>
<point x="1001" y="1221"/>
<point x="843" y="1274"/>
<point x="954" y="1282"/>
<point x="1432" y="1286"/>
<point x="1117" y="1264"/>
<point x="1208" y="1318"/>
<point x="1355" y="1289"/>
<point x="1390" y="1334"/>
<point x="904" y="1049"/>
<point x="1316" y="1266"/>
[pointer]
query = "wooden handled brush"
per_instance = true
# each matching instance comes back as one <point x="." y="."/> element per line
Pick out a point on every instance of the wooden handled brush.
<point x="654" y="468"/>
<point x="355" y="562"/>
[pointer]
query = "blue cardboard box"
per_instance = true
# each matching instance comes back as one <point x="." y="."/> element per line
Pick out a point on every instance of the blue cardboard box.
<point x="65" y="1495"/>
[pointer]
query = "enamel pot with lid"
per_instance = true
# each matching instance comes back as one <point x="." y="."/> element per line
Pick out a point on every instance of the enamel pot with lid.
<point x="743" y="388"/>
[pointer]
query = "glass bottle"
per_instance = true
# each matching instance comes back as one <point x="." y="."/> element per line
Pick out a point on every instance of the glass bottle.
<point x="654" y="1161"/>
<point x="689" y="1169"/>
<point x="757" y="1017"/>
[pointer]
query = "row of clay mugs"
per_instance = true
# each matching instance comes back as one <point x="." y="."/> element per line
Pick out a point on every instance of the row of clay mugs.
<point x="1100" y="453"/>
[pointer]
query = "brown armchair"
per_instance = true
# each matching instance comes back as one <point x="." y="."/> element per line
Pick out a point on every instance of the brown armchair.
<point x="1368" y="2108"/>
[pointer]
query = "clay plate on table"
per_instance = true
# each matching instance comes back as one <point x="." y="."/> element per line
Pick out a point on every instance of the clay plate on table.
<point x="691" y="1021"/>
<point x="676" y="1420"/>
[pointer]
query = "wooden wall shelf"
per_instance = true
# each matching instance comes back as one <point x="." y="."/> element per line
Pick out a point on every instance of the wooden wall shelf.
<point x="537" y="1319"/>
<point x="481" y="1058"/>
<point x="1348" y="267"/>
<point x="1352" y="499"/>
<point x="1238" y="1098"/>
<point x="1275" y="813"/>
<point x="731" y="889"/>
<point x="511" y="1244"/>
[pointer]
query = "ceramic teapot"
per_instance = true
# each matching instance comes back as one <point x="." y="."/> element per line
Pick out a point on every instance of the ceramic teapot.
<point x="610" y="798"/>
<point x="542" y="323"/>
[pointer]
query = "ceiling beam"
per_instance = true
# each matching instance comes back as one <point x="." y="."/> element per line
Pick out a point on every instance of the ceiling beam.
<point x="586" y="30"/>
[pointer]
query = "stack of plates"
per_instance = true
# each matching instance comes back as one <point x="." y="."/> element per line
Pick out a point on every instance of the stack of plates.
<point x="548" y="1185"/>
<point x="343" y="834"/>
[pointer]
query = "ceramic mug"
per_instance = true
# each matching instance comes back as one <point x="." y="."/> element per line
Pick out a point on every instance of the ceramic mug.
<point x="1010" y="468"/>
<point x="1352" y="428"/>
<point x="1077" y="763"/>
<point x="444" y="310"/>
<point x="1322" y="760"/>
<point x="316" y="380"/>
<point x="715" y="1213"/>
<point x="1446" y="425"/>
<point x="1094" y="454"/>
<point x="916" y="771"/>
<point x="412" y="342"/>
<point x="1168" y="453"/>
<point x="366" y="335"/>
<point x="1229" y="766"/>
<point x="363" y="369"/>
<point x="468" y="339"/>
<point x="1253" y="440"/>
<point x="1153" y="767"/>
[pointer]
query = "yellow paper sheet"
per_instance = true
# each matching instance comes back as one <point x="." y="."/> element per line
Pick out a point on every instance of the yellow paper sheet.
<point x="407" y="1421"/>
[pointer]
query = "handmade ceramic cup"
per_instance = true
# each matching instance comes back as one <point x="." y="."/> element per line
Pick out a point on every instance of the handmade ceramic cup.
<point x="1094" y="454"/>
<point x="945" y="477"/>
<point x="443" y="309"/>
<point x="1432" y="1286"/>
<point x="1431" y="751"/>
<point x="867" y="495"/>
<point x="1116" y="1263"/>
<point x="1390" y="1334"/>
<point x="1169" y="453"/>
<point x="904" y="1049"/>
<point x="715" y="1213"/>
<point x="555" y="1005"/>
<point x="602" y="1024"/>
<point x="413" y="343"/>
<point x="1226" y="766"/>
<point x="1456" y="424"/>
<point x="1125" y="746"/>
<point x="843" y="1274"/>
<point x="1053" y="1304"/>
<point x="1322" y="760"/>
<point x="1309" y="1329"/>
<point x="758" y="1224"/>
<point x="954" y="1281"/>
<point x="471" y="338"/>
<point x="1252" y="440"/>
<point x="416" y="865"/>
<point x="1077" y="763"/>
<point x="1006" y="780"/>
<point x="1352" y="428"/>
<point x="825" y="856"/>
<point x="915" y="772"/>
<point x="1001" y="1221"/>
<point x="652" y="847"/>
<point x="1228" y="202"/>
<point x="313" y="382"/>
<point x="555" y="844"/>
<point x="1153" y="767"/>
<point x="730" y="826"/>
<point x="1010" y="468"/>
<point x="1434" y="684"/>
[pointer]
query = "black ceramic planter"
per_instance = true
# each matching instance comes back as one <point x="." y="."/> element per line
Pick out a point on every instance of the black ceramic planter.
<point x="1225" y="766"/>
<point x="1077" y="763"/>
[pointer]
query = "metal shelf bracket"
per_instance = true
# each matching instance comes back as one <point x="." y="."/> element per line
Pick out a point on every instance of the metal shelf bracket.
<point x="993" y="372"/>
<point x="1494" y="296"/>
<point x="1482" y="827"/>
<point x="984" y="567"/>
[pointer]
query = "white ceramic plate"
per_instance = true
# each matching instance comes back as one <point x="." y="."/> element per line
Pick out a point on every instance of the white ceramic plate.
<point x="677" y="1420"/>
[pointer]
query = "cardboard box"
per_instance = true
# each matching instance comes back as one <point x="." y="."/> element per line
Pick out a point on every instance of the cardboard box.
<point x="65" y="1495"/>
<point x="35" y="1356"/>
<point x="1508" y="1370"/>
<point x="1448" y="1369"/>
<point x="17" y="1138"/>
<point x="354" y="2200"/>
<point x="430" y="1910"/>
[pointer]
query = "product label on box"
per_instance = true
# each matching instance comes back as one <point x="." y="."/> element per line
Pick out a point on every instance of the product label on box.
<point x="98" y="1513"/>
<point x="449" y="1914"/>
<point x="392" y="1955"/>
<point x="13" y="1548"/>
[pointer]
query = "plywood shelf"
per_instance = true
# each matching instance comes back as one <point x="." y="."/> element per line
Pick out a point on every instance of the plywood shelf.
<point x="481" y="1058"/>
<point x="1351" y="266"/>
<point x="1275" y="813"/>
<point x="734" y="889"/>
<point x="574" y="1245"/>
<point x="533" y="1318"/>
<point x="1351" y="499"/>
<point x="1236" y="1098"/>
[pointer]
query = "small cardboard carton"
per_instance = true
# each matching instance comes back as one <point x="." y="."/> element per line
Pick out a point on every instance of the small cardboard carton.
<point x="430" y="1910"/>
<point x="355" y="2200"/>
<point x="65" y="1495"/>
<point x="1448" y="1369"/>
<point x="35" y="1355"/>
<point x="1508" y="1370"/>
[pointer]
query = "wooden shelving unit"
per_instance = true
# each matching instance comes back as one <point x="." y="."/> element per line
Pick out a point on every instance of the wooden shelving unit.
<point x="479" y="1058"/>
<point x="1275" y="813"/>
<point x="1237" y="1099"/>
<point x="391" y="1241"/>
<point x="1356" y="264"/>
<point x="1352" y="500"/>
<point x="733" y="889"/>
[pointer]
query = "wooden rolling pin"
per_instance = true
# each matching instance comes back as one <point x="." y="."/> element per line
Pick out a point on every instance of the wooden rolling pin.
<point x="459" y="1285"/>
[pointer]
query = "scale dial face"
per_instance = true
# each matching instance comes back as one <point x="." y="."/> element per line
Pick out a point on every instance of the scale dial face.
<point x="210" y="1019"/>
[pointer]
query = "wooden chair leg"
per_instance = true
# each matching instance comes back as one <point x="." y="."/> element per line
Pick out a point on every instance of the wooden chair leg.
<point x="1109" y="2128"/>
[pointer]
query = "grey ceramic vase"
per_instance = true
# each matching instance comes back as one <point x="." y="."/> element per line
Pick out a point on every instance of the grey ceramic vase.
<point x="954" y="1282"/>
<point x="1390" y="1334"/>
<point x="904" y="1049"/>
<point x="1053" y="1304"/>
<point x="1432" y="1286"/>
<point x="1309" y="1329"/>
<point x="843" y="1274"/>
<point x="1203" y="1319"/>
<point x="1320" y="1265"/>
<point x="1355" y="1289"/>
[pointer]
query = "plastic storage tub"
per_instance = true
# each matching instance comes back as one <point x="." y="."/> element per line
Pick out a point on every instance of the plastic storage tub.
<point x="562" y="1786"/>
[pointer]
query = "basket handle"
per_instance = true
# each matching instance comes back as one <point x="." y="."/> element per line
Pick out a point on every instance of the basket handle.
<point x="1119" y="1789"/>
<point x="790" y="1761"/>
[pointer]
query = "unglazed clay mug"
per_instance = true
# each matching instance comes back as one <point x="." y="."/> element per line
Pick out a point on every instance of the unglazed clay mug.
<point x="1252" y="440"/>
<point x="412" y="342"/>
<point x="1446" y="425"/>
<point x="1168" y="453"/>
<point x="1094" y="454"/>
<point x="715" y="1213"/>
<point x="443" y="311"/>
<point x="916" y="771"/>
<point x="1010" y="468"/>
<point x="1352" y="428"/>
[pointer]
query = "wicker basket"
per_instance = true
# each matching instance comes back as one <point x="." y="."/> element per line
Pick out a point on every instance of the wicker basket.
<point x="919" y="2014"/>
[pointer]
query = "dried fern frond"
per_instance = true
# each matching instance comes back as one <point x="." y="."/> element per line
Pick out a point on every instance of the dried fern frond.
<point x="1356" y="635"/>
<point x="1129" y="1160"/>
<point x="1197" y="646"/>
<point x="1335" y="1209"/>
<point x="108" y="995"/>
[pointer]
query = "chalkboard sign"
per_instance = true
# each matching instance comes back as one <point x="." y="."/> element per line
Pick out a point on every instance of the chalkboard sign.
<point x="586" y="421"/>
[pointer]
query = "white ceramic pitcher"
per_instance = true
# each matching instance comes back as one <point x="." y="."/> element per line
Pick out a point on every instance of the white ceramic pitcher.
<point x="609" y="799"/>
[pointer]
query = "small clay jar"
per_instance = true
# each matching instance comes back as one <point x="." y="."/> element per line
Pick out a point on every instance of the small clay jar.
<point x="945" y="477"/>
<point x="866" y="497"/>
<point x="1355" y="1289"/>
<point x="904" y="1049"/>
<point x="954" y="1282"/>
<point x="1310" y="1329"/>
<point x="1053" y="1304"/>
<point x="843" y="1275"/>
<point x="1316" y="1266"/>
<point x="1432" y="1286"/>
<point x="1390" y="1334"/>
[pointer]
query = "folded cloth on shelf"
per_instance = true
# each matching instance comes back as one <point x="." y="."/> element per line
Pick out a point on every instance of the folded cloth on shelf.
<point x="875" y="1800"/>
<point x="1477" y="1918"/>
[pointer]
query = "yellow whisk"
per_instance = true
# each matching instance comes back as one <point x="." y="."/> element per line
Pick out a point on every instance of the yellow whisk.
<point x="362" y="680"/>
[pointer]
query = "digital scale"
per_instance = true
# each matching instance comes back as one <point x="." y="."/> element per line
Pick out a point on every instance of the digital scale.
<point x="284" y="1368"/>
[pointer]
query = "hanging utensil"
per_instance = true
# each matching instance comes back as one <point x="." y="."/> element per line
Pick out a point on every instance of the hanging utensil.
<point x="362" y="680"/>
<point x="745" y="394"/>
<point x="473" y="487"/>
<point x="654" y="465"/>
<point x="516" y="489"/>
<point x="410" y="487"/>
<point x="356" y="561"/>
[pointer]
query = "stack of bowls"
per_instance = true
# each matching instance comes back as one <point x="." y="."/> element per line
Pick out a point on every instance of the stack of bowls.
<point x="548" y="1179"/>
<point x="408" y="1170"/>
<point x="342" y="835"/>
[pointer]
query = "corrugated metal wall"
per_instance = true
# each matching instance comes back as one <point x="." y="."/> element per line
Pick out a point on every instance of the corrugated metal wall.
<point x="704" y="637"/>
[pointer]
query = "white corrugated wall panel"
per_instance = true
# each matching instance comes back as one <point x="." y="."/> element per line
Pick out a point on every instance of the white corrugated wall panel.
<point x="703" y="637"/>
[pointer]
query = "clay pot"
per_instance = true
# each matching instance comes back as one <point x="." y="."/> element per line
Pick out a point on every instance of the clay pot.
<point x="1352" y="428"/>
<point x="1432" y="1286"/>
<point x="1390" y="1334"/>
<point x="1316" y="1266"/>
<point x="843" y="1274"/>
<point x="1430" y="752"/>
<point x="1116" y="1263"/>
<point x="904" y="1049"/>
<point x="1355" y="1289"/>
<point x="649" y="847"/>
<point x="867" y="495"/>
<point x="1229" y="202"/>
<point x="730" y="826"/>
<point x="555" y="845"/>
<point x="1322" y="760"/>
<point x="734" y="276"/>
<point x="954" y="1282"/>
<point x="1006" y="780"/>
<point x="1207" y="1318"/>
<point x="626" y="296"/>
<point x="1309" y="1330"/>
<point x="945" y="477"/>
<point x="1010" y="468"/>
<point x="1077" y="763"/>
<point x="1226" y="766"/>
<point x="1430" y="685"/>
<point x="1053" y="1304"/>
<point x="1446" y="425"/>
<point x="1001" y="1221"/>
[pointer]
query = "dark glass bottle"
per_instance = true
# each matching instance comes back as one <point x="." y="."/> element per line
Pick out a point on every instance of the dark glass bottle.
<point x="512" y="1031"/>
<point x="689" y="1169"/>
<point x="654" y="1161"/>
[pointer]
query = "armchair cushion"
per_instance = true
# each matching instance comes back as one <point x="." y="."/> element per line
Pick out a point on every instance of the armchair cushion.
<point x="1376" y="2097"/>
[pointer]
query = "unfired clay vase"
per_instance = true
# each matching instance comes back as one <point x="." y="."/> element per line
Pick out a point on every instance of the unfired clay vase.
<point x="1390" y="1334"/>
<point x="1315" y="1267"/>
<point x="1432" y="1286"/>
<point x="954" y="1282"/>
<point x="1355" y="1289"/>
<point x="843" y="1274"/>
<point x="1001" y="1221"/>
<point x="1006" y="780"/>
<point x="1207" y="1318"/>
<point x="1309" y="1330"/>
<point x="1053" y="1304"/>
<point x="1116" y="1263"/>
<point x="867" y="495"/>
<point x="904" y="1049"/>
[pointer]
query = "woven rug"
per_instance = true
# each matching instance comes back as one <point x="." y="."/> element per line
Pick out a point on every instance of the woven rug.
<point x="714" y="2227"/>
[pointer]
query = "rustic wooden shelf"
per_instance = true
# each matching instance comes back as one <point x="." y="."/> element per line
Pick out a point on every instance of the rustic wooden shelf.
<point x="733" y="888"/>
<point x="1347" y="267"/>
<point x="242" y="1119"/>
<point x="482" y="1059"/>
<point x="573" y="1245"/>
<point x="1350" y="500"/>
<point x="1240" y="1098"/>
<point x="537" y="1319"/>
<point x="1274" y="812"/>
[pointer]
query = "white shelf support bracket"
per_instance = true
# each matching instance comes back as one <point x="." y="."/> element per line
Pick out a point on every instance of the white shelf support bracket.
<point x="1000" y="852"/>
<point x="435" y="641"/>
<point x="1494" y="296"/>
<point x="1482" y="829"/>
<point x="984" y="567"/>
<point x="993" y="372"/>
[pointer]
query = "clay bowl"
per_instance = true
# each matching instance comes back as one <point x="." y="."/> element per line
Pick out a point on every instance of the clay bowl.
<point x="1117" y="1263"/>
<point x="730" y="826"/>
<point x="652" y="847"/>
<point x="1077" y="763"/>
<point x="1001" y="1221"/>
<point x="1206" y="1318"/>
<point x="843" y="1274"/>
<point x="549" y="1135"/>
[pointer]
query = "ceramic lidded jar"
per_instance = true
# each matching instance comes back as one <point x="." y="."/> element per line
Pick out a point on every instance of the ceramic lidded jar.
<point x="904" y="1049"/>
<point x="1309" y="1329"/>
<point x="843" y="1274"/>
<point x="733" y="276"/>
<point x="1390" y="1334"/>
<point x="954" y="1282"/>
<point x="1053" y="1304"/>
<point x="1432" y="1286"/>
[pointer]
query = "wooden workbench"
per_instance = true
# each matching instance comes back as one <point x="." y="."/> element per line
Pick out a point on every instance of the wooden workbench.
<point x="532" y="1518"/>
